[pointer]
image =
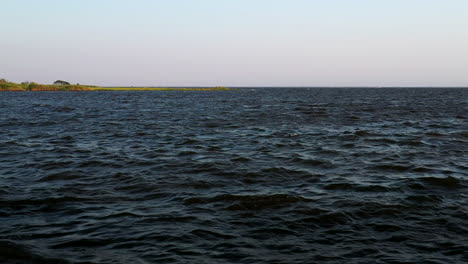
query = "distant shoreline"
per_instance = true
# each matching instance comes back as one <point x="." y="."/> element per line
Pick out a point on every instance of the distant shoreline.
<point x="6" y="86"/>
<point x="158" y="89"/>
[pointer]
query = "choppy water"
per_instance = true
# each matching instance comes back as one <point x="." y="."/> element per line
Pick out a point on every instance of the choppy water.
<point x="250" y="176"/>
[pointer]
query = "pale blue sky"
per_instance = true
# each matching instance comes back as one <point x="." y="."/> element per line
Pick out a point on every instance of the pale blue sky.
<point x="236" y="42"/>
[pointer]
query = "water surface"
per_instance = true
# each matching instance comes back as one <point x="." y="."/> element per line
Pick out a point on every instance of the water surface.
<point x="249" y="176"/>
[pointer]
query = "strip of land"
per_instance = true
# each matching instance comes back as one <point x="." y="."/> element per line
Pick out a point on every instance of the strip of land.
<point x="31" y="86"/>
<point x="157" y="89"/>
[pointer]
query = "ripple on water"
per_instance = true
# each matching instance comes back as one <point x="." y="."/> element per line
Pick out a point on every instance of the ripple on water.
<point x="248" y="176"/>
<point x="247" y="202"/>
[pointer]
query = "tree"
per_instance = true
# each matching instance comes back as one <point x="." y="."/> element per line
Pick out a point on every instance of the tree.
<point x="60" y="82"/>
<point x="3" y="81"/>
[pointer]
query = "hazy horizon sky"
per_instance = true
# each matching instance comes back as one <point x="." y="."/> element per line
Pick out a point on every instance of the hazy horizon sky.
<point x="236" y="42"/>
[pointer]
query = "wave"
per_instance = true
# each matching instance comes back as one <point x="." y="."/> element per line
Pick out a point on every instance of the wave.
<point x="12" y="252"/>
<point x="248" y="202"/>
<point x="264" y="176"/>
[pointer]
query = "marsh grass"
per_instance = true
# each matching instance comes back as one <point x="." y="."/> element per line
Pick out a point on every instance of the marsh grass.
<point x="157" y="89"/>
<point x="31" y="86"/>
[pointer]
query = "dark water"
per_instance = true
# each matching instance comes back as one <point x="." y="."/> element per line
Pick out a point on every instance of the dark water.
<point x="250" y="176"/>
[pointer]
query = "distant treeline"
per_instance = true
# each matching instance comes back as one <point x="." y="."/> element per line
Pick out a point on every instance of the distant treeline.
<point x="32" y="86"/>
<point x="60" y="85"/>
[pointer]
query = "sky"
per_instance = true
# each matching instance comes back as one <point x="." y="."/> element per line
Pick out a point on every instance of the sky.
<point x="236" y="42"/>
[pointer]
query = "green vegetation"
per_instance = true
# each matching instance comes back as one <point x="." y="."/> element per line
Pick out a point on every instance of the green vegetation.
<point x="32" y="86"/>
<point x="157" y="89"/>
<point x="65" y="86"/>
<point x="60" y="82"/>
